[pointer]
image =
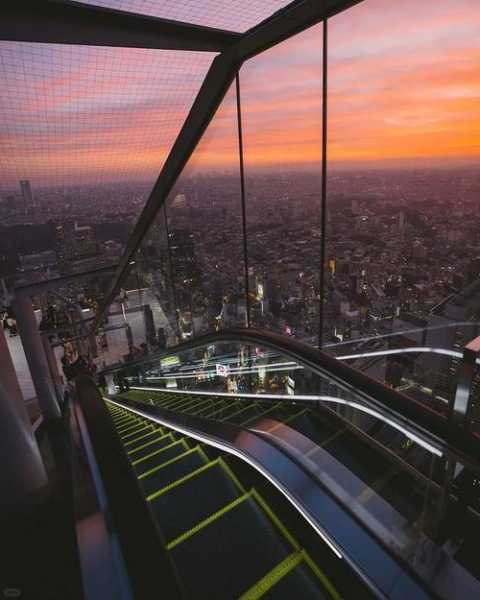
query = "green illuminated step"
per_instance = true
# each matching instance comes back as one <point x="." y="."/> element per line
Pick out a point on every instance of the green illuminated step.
<point x="123" y="420"/>
<point x="173" y="401"/>
<point x="124" y="428"/>
<point x="285" y="581"/>
<point x="242" y="547"/>
<point x="151" y="445"/>
<point x="242" y="412"/>
<point x="143" y="438"/>
<point x="166" y="472"/>
<point x="213" y="406"/>
<point x="212" y="489"/>
<point x="225" y="541"/>
<point x="135" y="430"/>
<point x="222" y="410"/>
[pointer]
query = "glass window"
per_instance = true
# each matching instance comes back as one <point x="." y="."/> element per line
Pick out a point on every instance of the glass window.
<point x="403" y="183"/>
<point x="281" y="92"/>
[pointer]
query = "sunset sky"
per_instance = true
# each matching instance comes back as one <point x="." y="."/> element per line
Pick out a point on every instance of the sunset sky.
<point x="404" y="88"/>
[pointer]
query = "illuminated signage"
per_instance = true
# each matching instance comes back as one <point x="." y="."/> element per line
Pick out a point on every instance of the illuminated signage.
<point x="169" y="361"/>
<point x="222" y="370"/>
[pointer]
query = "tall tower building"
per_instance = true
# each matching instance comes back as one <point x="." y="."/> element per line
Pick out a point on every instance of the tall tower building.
<point x="26" y="195"/>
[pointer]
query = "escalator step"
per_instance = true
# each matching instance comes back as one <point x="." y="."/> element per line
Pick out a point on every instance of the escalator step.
<point x="127" y="425"/>
<point x="243" y="413"/>
<point x="199" y="404"/>
<point x="243" y="547"/>
<point x="172" y="471"/>
<point x="212" y="489"/>
<point x="143" y="438"/>
<point x="160" y="441"/>
<point x="222" y="411"/>
<point x="265" y="411"/>
<point x="289" y="586"/>
<point x="133" y="432"/>
<point x="123" y="420"/>
<point x="208" y="407"/>
<point x="183" y="404"/>
<point x="157" y="457"/>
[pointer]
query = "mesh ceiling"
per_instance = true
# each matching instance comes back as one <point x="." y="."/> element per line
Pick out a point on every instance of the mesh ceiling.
<point x="232" y="15"/>
<point x="74" y="115"/>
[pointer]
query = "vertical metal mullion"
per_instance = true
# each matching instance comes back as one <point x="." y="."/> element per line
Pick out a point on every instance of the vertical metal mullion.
<point x="174" y="295"/>
<point x="323" y="209"/>
<point x="242" y="190"/>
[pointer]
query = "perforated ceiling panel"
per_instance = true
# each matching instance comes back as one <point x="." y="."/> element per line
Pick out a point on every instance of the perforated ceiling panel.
<point x="232" y="15"/>
<point x="73" y="115"/>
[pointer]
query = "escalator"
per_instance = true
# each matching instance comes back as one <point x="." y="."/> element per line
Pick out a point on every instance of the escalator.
<point x="373" y="477"/>
<point x="225" y="539"/>
<point x="386" y="475"/>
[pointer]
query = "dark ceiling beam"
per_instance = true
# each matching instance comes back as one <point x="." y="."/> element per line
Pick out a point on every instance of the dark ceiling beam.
<point x="282" y="25"/>
<point x="68" y="22"/>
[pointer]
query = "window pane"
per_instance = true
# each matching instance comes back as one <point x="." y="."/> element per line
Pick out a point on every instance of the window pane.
<point x="403" y="184"/>
<point x="281" y="93"/>
<point x="84" y="132"/>
<point x="195" y="275"/>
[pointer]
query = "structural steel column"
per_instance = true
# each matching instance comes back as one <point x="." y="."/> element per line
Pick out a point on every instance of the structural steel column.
<point x="53" y="366"/>
<point x="323" y="206"/>
<point x="242" y="191"/>
<point x="22" y="474"/>
<point x="37" y="361"/>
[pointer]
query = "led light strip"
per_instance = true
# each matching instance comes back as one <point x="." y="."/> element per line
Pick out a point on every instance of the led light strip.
<point x="421" y="349"/>
<point x="229" y="450"/>
<point x="370" y="411"/>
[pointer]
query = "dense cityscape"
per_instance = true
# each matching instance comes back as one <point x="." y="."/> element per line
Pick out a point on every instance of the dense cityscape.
<point x="401" y="246"/>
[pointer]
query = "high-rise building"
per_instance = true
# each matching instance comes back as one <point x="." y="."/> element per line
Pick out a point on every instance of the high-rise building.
<point x="26" y="195"/>
<point x="74" y="242"/>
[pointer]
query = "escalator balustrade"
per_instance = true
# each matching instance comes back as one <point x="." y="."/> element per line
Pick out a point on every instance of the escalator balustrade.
<point x="224" y="538"/>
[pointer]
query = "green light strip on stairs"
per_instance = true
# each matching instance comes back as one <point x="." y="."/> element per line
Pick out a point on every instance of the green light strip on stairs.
<point x="274" y="576"/>
<point x="144" y="435"/>
<point x="183" y="403"/>
<point x="207" y="521"/>
<point x="204" y="404"/>
<point x="168" y="462"/>
<point x="123" y="419"/>
<point x="321" y="575"/>
<point x="275" y="520"/>
<point x="269" y="410"/>
<point x="232" y="475"/>
<point x="140" y="460"/>
<point x="149" y="426"/>
<point x="183" y="479"/>
<point x="238" y="412"/>
<point x="170" y="435"/>
<point x="131" y="425"/>
<point x="195" y="405"/>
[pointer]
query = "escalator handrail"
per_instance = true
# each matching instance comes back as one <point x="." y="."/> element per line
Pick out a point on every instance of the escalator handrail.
<point x="397" y="406"/>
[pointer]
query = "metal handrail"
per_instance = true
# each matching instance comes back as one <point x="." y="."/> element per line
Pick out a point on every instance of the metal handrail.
<point x="409" y="413"/>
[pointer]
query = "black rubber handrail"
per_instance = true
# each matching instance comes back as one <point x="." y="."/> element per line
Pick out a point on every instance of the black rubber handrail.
<point x="146" y="558"/>
<point x="421" y="420"/>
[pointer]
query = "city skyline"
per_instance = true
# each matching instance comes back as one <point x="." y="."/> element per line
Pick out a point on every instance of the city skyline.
<point x="408" y="89"/>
